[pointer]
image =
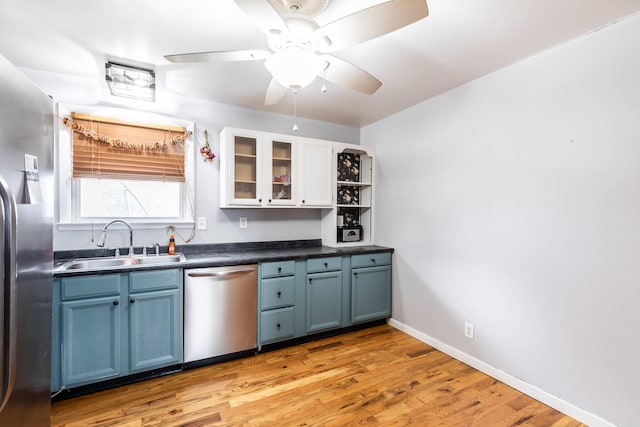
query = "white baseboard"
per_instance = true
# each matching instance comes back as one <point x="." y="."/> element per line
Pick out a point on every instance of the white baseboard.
<point x="520" y="385"/>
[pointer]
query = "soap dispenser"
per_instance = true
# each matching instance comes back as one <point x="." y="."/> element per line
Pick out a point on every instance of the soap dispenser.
<point x="172" y="245"/>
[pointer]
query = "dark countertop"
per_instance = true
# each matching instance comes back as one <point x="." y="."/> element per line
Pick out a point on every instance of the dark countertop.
<point x="218" y="255"/>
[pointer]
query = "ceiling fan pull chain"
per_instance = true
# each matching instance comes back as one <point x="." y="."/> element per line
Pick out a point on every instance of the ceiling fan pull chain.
<point x="324" y="80"/>
<point x="295" y="111"/>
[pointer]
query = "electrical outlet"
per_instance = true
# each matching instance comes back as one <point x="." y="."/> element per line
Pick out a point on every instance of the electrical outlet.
<point x="468" y="330"/>
<point x="243" y="222"/>
<point x="202" y="223"/>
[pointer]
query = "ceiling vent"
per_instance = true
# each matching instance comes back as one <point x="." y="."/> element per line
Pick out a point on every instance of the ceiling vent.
<point x="130" y="82"/>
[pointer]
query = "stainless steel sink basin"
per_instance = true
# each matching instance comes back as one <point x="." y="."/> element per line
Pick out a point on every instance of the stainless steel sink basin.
<point x="96" y="264"/>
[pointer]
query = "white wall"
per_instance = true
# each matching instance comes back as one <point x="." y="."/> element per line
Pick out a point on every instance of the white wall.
<point x="513" y="203"/>
<point x="222" y="224"/>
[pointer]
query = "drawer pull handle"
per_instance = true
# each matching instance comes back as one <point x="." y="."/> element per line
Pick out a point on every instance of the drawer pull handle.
<point x="132" y="300"/>
<point x="279" y="294"/>
<point x="116" y="302"/>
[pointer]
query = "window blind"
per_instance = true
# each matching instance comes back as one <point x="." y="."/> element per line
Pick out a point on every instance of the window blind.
<point x="111" y="148"/>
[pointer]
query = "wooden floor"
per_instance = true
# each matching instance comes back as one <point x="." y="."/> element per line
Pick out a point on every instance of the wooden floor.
<point x="378" y="376"/>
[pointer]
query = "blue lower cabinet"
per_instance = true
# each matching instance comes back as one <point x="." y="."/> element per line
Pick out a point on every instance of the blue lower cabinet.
<point x="155" y="329"/>
<point x="324" y="301"/>
<point x="370" y="293"/>
<point x="91" y="340"/>
<point x="103" y="329"/>
<point x="304" y="297"/>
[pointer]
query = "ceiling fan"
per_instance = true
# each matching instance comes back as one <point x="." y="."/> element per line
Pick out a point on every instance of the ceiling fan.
<point x="301" y="49"/>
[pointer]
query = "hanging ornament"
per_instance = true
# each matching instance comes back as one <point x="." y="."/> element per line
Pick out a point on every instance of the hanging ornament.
<point x="205" y="150"/>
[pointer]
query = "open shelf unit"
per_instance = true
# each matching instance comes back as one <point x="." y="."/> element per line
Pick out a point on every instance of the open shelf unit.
<point x="350" y="222"/>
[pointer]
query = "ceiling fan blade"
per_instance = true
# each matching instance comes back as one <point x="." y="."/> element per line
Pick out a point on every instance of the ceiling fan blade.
<point x="275" y="92"/>
<point x="349" y="76"/>
<point x="219" y="56"/>
<point x="373" y="22"/>
<point x="263" y="15"/>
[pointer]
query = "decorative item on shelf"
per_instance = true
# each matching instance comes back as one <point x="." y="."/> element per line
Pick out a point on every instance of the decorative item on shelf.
<point x="205" y="150"/>
<point x="283" y="179"/>
<point x="348" y="167"/>
<point x="349" y="228"/>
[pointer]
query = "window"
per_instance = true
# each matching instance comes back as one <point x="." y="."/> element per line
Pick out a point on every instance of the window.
<point x="115" y="198"/>
<point x="98" y="181"/>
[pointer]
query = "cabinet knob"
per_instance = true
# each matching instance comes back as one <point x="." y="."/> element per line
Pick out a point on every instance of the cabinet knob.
<point x="373" y="260"/>
<point x="260" y="200"/>
<point x="279" y="294"/>
<point x="279" y="269"/>
<point x="278" y="326"/>
<point x="355" y="273"/>
<point x="116" y="302"/>
<point x="269" y="200"/>
<point x="310" y="280"/>
<point x="326" y="265"/>
<point x="132" y="300"/>
<point x="303" y="201"/>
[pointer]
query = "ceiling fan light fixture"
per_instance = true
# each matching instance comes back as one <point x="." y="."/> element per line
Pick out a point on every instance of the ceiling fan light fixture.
<point x="294" y="67"/>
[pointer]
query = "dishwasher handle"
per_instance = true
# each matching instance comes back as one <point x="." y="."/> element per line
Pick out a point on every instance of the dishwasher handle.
<point x="220" y="273"/>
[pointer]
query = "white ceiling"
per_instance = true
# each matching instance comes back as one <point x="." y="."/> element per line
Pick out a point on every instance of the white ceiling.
<point x="460" y="40"/>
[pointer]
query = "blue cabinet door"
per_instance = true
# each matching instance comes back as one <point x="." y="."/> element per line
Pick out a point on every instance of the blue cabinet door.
<point x="91" y="339"/>
<point x="370" y="293"/>
<point x="155" y="329"/>
<point x="324" y="301"/>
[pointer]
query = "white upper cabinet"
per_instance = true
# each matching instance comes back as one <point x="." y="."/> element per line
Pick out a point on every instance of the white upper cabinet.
<point x="256" y="169"/>
<point x="265" y="170"/>
<point x="241" y="168"/>
<point x="315" y="173"/>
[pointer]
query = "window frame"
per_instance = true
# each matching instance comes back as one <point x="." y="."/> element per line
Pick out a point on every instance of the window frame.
<point x="68" y="188"/>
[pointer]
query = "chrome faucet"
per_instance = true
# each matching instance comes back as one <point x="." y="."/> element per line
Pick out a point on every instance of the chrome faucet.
<point x="103" y="236"/>
<point x="157" y="248"/>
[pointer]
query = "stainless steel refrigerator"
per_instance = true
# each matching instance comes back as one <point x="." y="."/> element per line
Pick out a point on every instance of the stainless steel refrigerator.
<point x="26" y="217"/>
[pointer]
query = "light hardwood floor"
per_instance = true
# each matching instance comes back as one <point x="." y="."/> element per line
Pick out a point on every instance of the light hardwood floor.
<point x="377" y="376"/>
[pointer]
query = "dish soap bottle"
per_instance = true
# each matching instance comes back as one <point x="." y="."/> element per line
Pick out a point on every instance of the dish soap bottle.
<point x="172" y="245"/>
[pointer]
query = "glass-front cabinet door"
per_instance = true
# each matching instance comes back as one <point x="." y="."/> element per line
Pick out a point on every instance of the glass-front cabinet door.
<point x="245" y="170"/>
<point x="280" y="187"/>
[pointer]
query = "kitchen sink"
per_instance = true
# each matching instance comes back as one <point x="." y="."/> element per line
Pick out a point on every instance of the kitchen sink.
<point x="91" y="264"/>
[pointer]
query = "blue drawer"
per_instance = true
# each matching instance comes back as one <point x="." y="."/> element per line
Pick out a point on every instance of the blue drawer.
<point x="142" y="281"/>
<point x="277" y="292"/>
<point x="317" y="265"/>
<point x="278" y="268"/>
<point x="90" y="286"/>
<point x="371" y="260"/>
<point x="276" y="324"/>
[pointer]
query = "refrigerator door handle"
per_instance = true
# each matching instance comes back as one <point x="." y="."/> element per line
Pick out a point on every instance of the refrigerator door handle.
<point x="8" y="316"/>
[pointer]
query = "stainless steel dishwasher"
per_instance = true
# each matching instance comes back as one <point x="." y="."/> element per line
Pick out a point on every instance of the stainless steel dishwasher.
<point x="220" y="311"/>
